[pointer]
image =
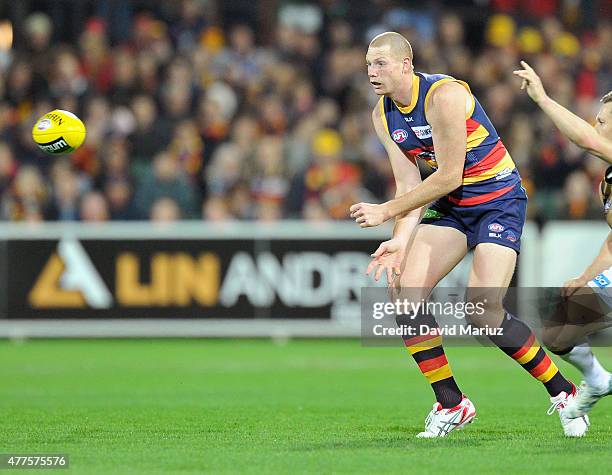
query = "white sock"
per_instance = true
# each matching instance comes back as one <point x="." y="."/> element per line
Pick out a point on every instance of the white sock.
<point x="583" y="358"/>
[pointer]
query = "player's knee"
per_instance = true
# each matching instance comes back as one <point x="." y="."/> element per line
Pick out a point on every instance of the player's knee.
<point x="553" y="342"/>
<point x="484" y="308"/>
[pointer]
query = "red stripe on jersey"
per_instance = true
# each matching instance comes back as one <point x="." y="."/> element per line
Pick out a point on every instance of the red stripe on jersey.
<point x="471" y="125"/>
<point x="477" y="200"/>
<point x="525" y="348"/>
<point x="489" y="161"/>
<point x="416" y="151"/>
<point x="434" y="363"/>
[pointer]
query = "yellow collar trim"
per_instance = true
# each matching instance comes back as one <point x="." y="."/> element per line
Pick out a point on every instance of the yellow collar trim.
<point x="416" y="80"/>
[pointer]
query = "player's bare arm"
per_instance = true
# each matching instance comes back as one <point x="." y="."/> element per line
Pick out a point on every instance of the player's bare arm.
<point x="600" y="263"/>
<point x="390" y="254"/>
<point x="446" y="115"/>
<point x="573" y="127"/>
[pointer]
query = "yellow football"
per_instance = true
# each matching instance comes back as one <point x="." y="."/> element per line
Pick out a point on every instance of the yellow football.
<point x="59" y="132"/>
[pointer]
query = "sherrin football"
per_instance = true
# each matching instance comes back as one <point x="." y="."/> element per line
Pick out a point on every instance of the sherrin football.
<point x="58" y="132"/>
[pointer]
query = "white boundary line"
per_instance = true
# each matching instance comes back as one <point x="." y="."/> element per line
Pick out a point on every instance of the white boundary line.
<point x="148" y="328"/>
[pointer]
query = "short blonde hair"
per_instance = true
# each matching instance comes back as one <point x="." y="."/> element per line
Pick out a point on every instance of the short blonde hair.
<point x="400" y="46"/>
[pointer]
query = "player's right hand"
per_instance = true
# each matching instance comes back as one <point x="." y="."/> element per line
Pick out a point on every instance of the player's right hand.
<point x="532" y="82"/>
<point x="572" y="285"/>
<point x="387" y="258"/>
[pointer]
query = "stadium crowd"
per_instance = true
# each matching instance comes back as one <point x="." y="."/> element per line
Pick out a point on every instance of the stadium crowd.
<point x="192" y="116"/>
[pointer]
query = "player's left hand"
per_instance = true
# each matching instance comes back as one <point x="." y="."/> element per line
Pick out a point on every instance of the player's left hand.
<point x="387" y="258"/>
<point x="531" y="82"/>
<point x="368" y="215"/>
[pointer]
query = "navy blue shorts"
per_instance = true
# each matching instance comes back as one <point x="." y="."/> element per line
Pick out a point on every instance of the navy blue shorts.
<point x="499" y="221"/>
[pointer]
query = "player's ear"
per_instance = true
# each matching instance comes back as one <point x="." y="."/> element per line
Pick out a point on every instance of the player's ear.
<point x="407" y="67"/>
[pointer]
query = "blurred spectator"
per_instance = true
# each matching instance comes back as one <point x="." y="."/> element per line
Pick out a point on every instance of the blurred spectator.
<point x="119" y="195"/>
<point x="26" y="200"/>
<point x="225" y="170"/>
<point x="148" y="137"/>
<point x="8" y="167"/>
<point x="165" y="180"/>
<point x="165" y="210"/>
<point x="215" y="209"/>
<point x="38" y="31"/>
<point x="64" y="205"/>
<point x="67" y="77"/>
<point x="94" y="207"/>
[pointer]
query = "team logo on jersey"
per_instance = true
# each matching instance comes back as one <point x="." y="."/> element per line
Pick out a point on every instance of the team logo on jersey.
<point x="510" y="236"/>
<point x="422" y="132"/>
<point x="399" y="135"/>
<point x="496" y="227"/>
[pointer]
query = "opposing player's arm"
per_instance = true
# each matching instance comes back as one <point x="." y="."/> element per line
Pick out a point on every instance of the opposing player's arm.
<point x="577" y="130"/>
<point x="602" y="262"/>
<point x="446" y="115"/>
<point x="406" y="174"/>
<point x="569" y="124"/>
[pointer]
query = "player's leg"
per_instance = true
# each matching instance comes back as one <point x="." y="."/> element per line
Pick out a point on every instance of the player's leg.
<point x="492" y="267"/>
<point x="424" y="267"/>
<point x="492" y="270"/>
<point x="583" y="314"/>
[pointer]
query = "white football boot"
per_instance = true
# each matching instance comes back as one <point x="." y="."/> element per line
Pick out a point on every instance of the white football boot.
<point x="586" y="398"/>
<point x="441" y="421"/>
<point x="571" y="427"/>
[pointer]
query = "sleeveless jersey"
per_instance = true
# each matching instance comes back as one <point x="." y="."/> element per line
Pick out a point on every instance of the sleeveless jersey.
<point x="488" y="172"/>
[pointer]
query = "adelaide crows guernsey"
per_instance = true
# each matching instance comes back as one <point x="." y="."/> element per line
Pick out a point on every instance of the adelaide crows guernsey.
<point x="488" y="171"/>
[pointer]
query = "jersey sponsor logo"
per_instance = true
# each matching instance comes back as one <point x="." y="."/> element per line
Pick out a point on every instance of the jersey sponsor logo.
<point x="503" y="174"/>
<point x="399" y="135"/>
<point x="496" y="227"/>
<point x="432" y="214"/>
<point x="510" y="236"/>
<point x="422" y="132"/>
<point x="602" y="281"/>
<point x="408" y="119"/>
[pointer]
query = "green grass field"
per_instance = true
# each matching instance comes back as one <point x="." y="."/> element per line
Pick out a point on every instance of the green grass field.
<point x="227" y="406"/>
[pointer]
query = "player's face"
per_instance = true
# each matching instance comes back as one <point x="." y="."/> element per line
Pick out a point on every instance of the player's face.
<point x="603" y="121"/>
<point x="384" y="70"/>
